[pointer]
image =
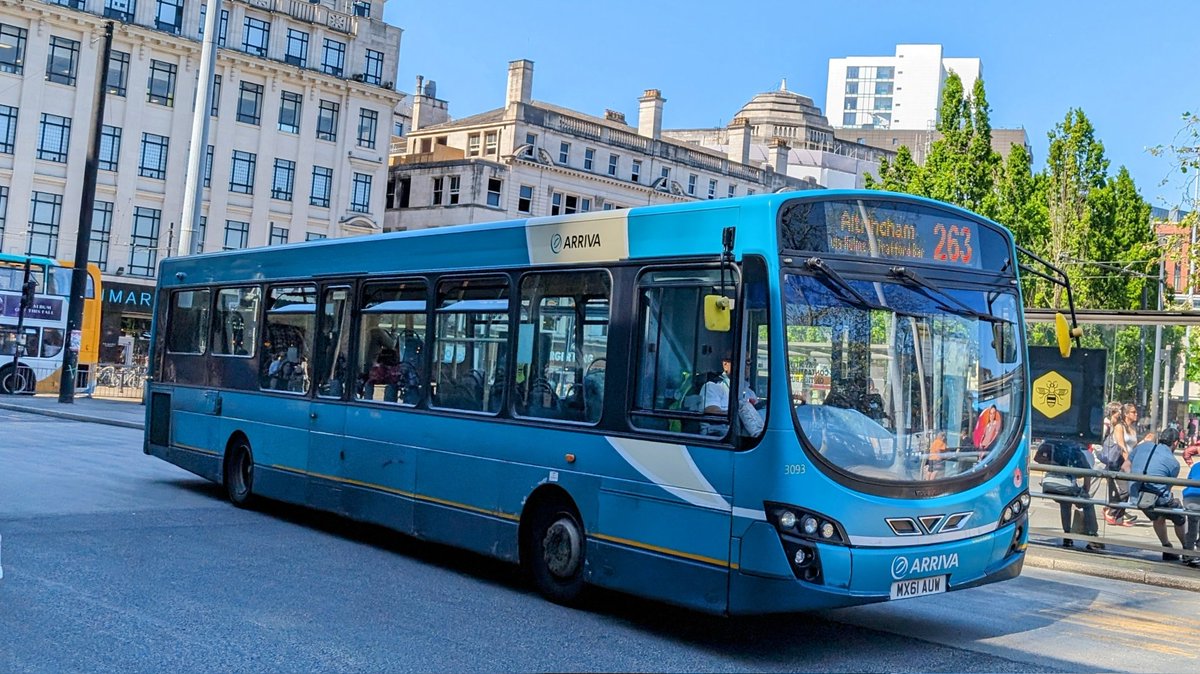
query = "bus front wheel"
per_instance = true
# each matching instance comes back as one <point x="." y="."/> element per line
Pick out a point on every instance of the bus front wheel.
<point x="19" y="379"/>
<point x="239" y="473"/>
<point x="555" y="552"/>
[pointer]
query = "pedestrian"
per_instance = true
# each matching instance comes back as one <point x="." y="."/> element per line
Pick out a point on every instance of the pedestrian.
<point x="1072" y="455"/>
<point x="1124" y="434"/>
<point x="1191" y="501"/>
<point x="1155" y="459"/>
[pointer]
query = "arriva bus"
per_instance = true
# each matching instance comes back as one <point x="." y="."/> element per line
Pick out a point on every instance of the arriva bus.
<point x="31" y="360"/>
<point x="763" y="404"/>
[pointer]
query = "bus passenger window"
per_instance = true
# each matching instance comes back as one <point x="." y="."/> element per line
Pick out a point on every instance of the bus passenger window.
<point x="392" y="343"/>
<point x="52" y="342"/>
<point x="288" y="339"/>
<point x="235" y="329"/>
<point x="469" y="368"/>
<point x="562" y="344"/>
<point x="681" y="365"/>
<point x="187" y="322"/>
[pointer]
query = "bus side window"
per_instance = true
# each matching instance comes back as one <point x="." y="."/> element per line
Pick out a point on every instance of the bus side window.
<point x="334" y="343"/>
<point x="235" y="330"/>
<point x="681" y="378"/>
<point x="391" y="353"/>
<point x="562" y="346"/>
<point x="288" y="339"/>
<point x="187" y="322"/>
<point x="471" y="344"/>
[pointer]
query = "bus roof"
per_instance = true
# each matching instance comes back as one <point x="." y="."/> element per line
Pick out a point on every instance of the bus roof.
<point x="597" y="236"/>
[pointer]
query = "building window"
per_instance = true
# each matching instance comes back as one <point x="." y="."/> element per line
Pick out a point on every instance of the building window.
<point x="438" y="190"/>
<point x="712" y="189"/>
<point x="851" y="72"/>
<point x="566" y="204"/>
<point x="102" y="214"/>
<point x="327" y="119"/>
<point x="216" y="96"/>
<point x="8" y="129"/>
<point x="44" y="212"/>
<point x="279" y="235"/>
<point x="256" y="36"/>
<point x="284" y="179"/>
<point x="333" y="58"/>
<point x="495" y="185"/>
<point x="289" y="111"/>
<point x="564" y="153"/>
<point x="241" y="173"/>
<point x="55" y="138"/>
<point x="692" y="178"/>
<point x="849" y="118"/>
<point x="883" y="88"/>
<point x="12" y="49"/>
<point x="62" y="60"/>
<point x="118" y="73"/>
<point x="237" y="234"/>
<point x="589" y="158"/>
<point x="491" y="142"/>
<point x="169" y="16"/>
<point x="297" y="48"/>
<point x="110" y="147"/>
<point x="314" y="236"/>
<point x="732" y="191"/>
<point x="143" y="254"/>
<point x="362" y="8"/>
<point x="208" y="167"/>
<point x="322" y="183"/>
<point x="665" y="175"/>
<point x="452" y="190"/>
<point x="222" y="24"/>
<point x="249" y="108"/>
<point x="208" y="162"/>
<point x="885" y="73"/>
<point x="751" y="192"/>
<point x="473" y="145"/>
<point x="636" y="173"/>
<point x="531" y="141"/>
<point x="161" y="88"/>
<point x="525" y="199"/>
<point x="122" y="10"/>
<point x="368" y="122"/>
<point x="154" y="157"/>
<point x="3" y="210"/>
<point x="445" y="190"/>
<point x="373" y="72"/>
<point x="612" y="164"/>
<point x="852" y="88"/>
<point x="360" y="193"/>
<point x="201" y="230"/>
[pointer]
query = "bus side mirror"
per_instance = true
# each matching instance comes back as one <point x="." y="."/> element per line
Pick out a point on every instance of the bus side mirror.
<point x="717" y="312"/>
<point x="1064" y="333"/>
<point x="1004" y="342"/>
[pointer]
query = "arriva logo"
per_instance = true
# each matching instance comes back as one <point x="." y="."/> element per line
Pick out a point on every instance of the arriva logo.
<point x="902" y="566"/>
<point x="573" y="242"/>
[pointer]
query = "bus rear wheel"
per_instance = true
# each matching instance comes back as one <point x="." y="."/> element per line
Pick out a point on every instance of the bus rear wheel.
<point x="239" y="473"/>
<point x="19" y="379"/>
<point x="555" y="550"/>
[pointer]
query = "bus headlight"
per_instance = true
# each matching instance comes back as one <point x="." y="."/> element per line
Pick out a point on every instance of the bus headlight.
<point x="787" y="519"/>
<point x="1015" y="508"/>
<point x="799" y="523"/>
<point x="809" y="525"/>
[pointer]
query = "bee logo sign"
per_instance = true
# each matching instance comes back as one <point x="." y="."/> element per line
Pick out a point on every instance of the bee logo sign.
<point x="1052" y="394"/>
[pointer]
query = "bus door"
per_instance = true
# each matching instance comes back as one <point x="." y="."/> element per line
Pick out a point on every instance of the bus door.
<point x="327" y="410"/>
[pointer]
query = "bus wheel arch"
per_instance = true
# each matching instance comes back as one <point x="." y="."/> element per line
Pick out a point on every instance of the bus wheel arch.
<point x="553" y="544"/>
<point x="18" y="379"/>
<point x="238" y="470"/>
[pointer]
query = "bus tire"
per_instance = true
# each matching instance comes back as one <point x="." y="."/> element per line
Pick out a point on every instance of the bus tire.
<point x="19" y="379"/>
<point x="555" y="551"/>
<point x="239" y="472"/>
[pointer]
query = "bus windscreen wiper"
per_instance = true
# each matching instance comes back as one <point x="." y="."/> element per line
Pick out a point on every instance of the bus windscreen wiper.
<point x="819" y="265"/>
<point x="911" y="277"/>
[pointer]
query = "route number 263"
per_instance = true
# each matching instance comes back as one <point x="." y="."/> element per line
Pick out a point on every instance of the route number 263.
<point x="954" y="243"/>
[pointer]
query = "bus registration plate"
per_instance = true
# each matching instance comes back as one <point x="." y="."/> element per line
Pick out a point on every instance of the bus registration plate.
<point x="918" y="587"/>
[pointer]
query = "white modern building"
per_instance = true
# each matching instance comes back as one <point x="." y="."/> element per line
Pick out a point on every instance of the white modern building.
<point x="532" y="158"/>
<point x="893" y="92"/>
<point x="299" y="135"/>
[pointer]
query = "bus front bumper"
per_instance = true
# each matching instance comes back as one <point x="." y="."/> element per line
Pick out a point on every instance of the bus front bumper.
<point x="766" y="581"/>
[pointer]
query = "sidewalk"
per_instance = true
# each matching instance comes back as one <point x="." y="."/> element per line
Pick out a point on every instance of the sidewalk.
<point x="1119" y="561"/>
<point x="112" y="411"/>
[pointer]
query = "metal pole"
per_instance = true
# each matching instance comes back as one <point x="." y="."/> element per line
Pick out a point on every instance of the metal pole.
<point x="83" y="238"/>
<point x="1156" y="377"/>
<point x="193" y="182"/>
<point x="1166" y="402"/>
<point x="19" y="342"/>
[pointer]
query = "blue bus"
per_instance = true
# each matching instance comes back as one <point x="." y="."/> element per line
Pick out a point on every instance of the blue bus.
<point x="764" y="404"/>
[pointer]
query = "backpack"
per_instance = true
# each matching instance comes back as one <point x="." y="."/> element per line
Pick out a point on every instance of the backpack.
<point x="1110" y="453"/>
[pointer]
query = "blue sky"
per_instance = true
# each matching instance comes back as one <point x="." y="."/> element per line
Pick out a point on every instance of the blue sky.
<point x="1129" y="66"/>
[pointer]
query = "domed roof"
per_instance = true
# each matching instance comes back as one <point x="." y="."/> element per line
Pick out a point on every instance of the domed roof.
<point x="782" y="108"/>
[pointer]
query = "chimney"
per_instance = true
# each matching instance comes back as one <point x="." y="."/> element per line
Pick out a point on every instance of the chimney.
<point x="418" y="104"/>
<point x="520" y="82"/>
<point x="650" y="107"/>
<point x="777" y="155"/>
<point x="614" y="116"/>
<point x="739" y="140"/>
